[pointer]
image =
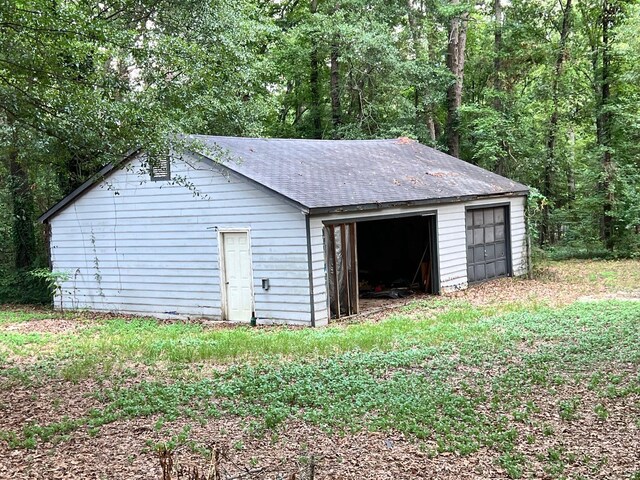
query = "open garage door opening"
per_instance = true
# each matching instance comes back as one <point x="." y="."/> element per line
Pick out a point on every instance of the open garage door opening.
<point x="384" y="259"/>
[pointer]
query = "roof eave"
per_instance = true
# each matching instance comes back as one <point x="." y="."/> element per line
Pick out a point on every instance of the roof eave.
<point x="412" y="203"/>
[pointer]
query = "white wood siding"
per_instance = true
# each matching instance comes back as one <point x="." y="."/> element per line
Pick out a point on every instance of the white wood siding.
<point x="139" y="246"/>
<point x="452" y="252"/>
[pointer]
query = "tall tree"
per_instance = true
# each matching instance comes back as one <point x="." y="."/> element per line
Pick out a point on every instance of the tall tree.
<point x="552" y="132"/>
<point x="455" y="61"/>
<point x="24" y="242"/>
<point x="501" y="161"/>
<point x="604" y="120"/>
<point x="336" y="107"/>
<point x="314" y="81"/>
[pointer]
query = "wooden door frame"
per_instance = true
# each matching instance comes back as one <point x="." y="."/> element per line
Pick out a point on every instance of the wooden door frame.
<point x="222" y="268"/>
<point x="353" y="301"/>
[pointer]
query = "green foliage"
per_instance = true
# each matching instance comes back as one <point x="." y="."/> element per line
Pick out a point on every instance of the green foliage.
<point x="536" y="202"/>
<point x="81" y="84"/>
<point x="19" y="286"/>
<point x="512" y="463"/>
<point x="54" y="280"/>
<point x="569" y="409"/>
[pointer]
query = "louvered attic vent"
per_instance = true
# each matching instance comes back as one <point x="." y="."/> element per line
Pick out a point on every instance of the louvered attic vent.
<point x="160" y="169"/>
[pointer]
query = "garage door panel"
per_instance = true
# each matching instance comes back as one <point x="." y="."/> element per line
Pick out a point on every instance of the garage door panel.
<point x="491" y="270"/>
<point x="488" y="216"/>
<point x="478" y="236"/>
<point x="489" y="234"/>
<point x="469" y="237"/>
<point x="486" y="233"/>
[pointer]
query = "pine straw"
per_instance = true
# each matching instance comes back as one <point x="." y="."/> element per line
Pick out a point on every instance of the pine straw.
<point x="45" y="325"/>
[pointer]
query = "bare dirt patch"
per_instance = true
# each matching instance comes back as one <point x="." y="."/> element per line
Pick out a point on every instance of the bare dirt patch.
<point x="561" y="283"/>
<point x="46" y="325"/>
<point x="587" y="446"/>
<point x="48" y="403"/>
<point x="122" y="450"/>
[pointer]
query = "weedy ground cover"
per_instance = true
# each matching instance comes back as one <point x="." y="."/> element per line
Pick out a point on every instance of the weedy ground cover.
<point x="455" y="380"/>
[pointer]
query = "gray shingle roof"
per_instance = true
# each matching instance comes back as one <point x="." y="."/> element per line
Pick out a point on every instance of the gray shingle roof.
<point x="342" y="174"/>
<point x="337" y="175"/>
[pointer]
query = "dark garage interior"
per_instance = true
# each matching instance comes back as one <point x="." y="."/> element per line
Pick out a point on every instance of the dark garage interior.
<point x="396" y="254"/>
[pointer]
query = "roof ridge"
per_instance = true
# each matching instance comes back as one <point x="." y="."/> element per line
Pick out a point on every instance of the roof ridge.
<point x="196" y="135"/>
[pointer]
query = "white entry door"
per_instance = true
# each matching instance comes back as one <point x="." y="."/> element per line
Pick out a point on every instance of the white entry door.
<point x="237" y="281"/>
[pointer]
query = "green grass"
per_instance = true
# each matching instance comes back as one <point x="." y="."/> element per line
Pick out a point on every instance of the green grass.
<point x="99" y="349"/>
<point x="147" y="341"/>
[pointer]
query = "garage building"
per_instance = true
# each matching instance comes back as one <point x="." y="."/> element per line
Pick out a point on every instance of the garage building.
<point x="282" y="231"/>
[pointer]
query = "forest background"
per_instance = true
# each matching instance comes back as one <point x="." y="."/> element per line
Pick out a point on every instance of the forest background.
<point x="546" y="92"/>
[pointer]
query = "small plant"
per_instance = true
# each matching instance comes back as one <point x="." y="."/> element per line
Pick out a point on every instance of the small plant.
<point x="54" y="280"/>
<point x="96" y="264"/>
<point x="601" y="411"/>
<point x="569" y="409"/>
<point x="165" y="455"/>
<point x="512" y="463"/>
<point x="547" y="430"/>
<point x="557" y="459"/>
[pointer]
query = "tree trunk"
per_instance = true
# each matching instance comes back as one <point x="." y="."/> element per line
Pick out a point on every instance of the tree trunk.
<point x="571" y="178"/>
<point x="421" y="111"/>
<point x="284" y="111"/>
<point x="552" y="134"/>
<point x="24" y="237"/>
<point x="336" y="108"/>
<point x="455" y="62"/>
<point x="501" y="162"/>
<point x="601" y="63"/>
<point x="434" y="57"/>
<point x="497" y="42"/>
<point x="316" y="119"/>
<point x="603" y="125"/>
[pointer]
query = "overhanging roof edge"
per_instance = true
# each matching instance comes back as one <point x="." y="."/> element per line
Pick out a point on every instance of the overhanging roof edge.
<point x="412" y="203"/>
